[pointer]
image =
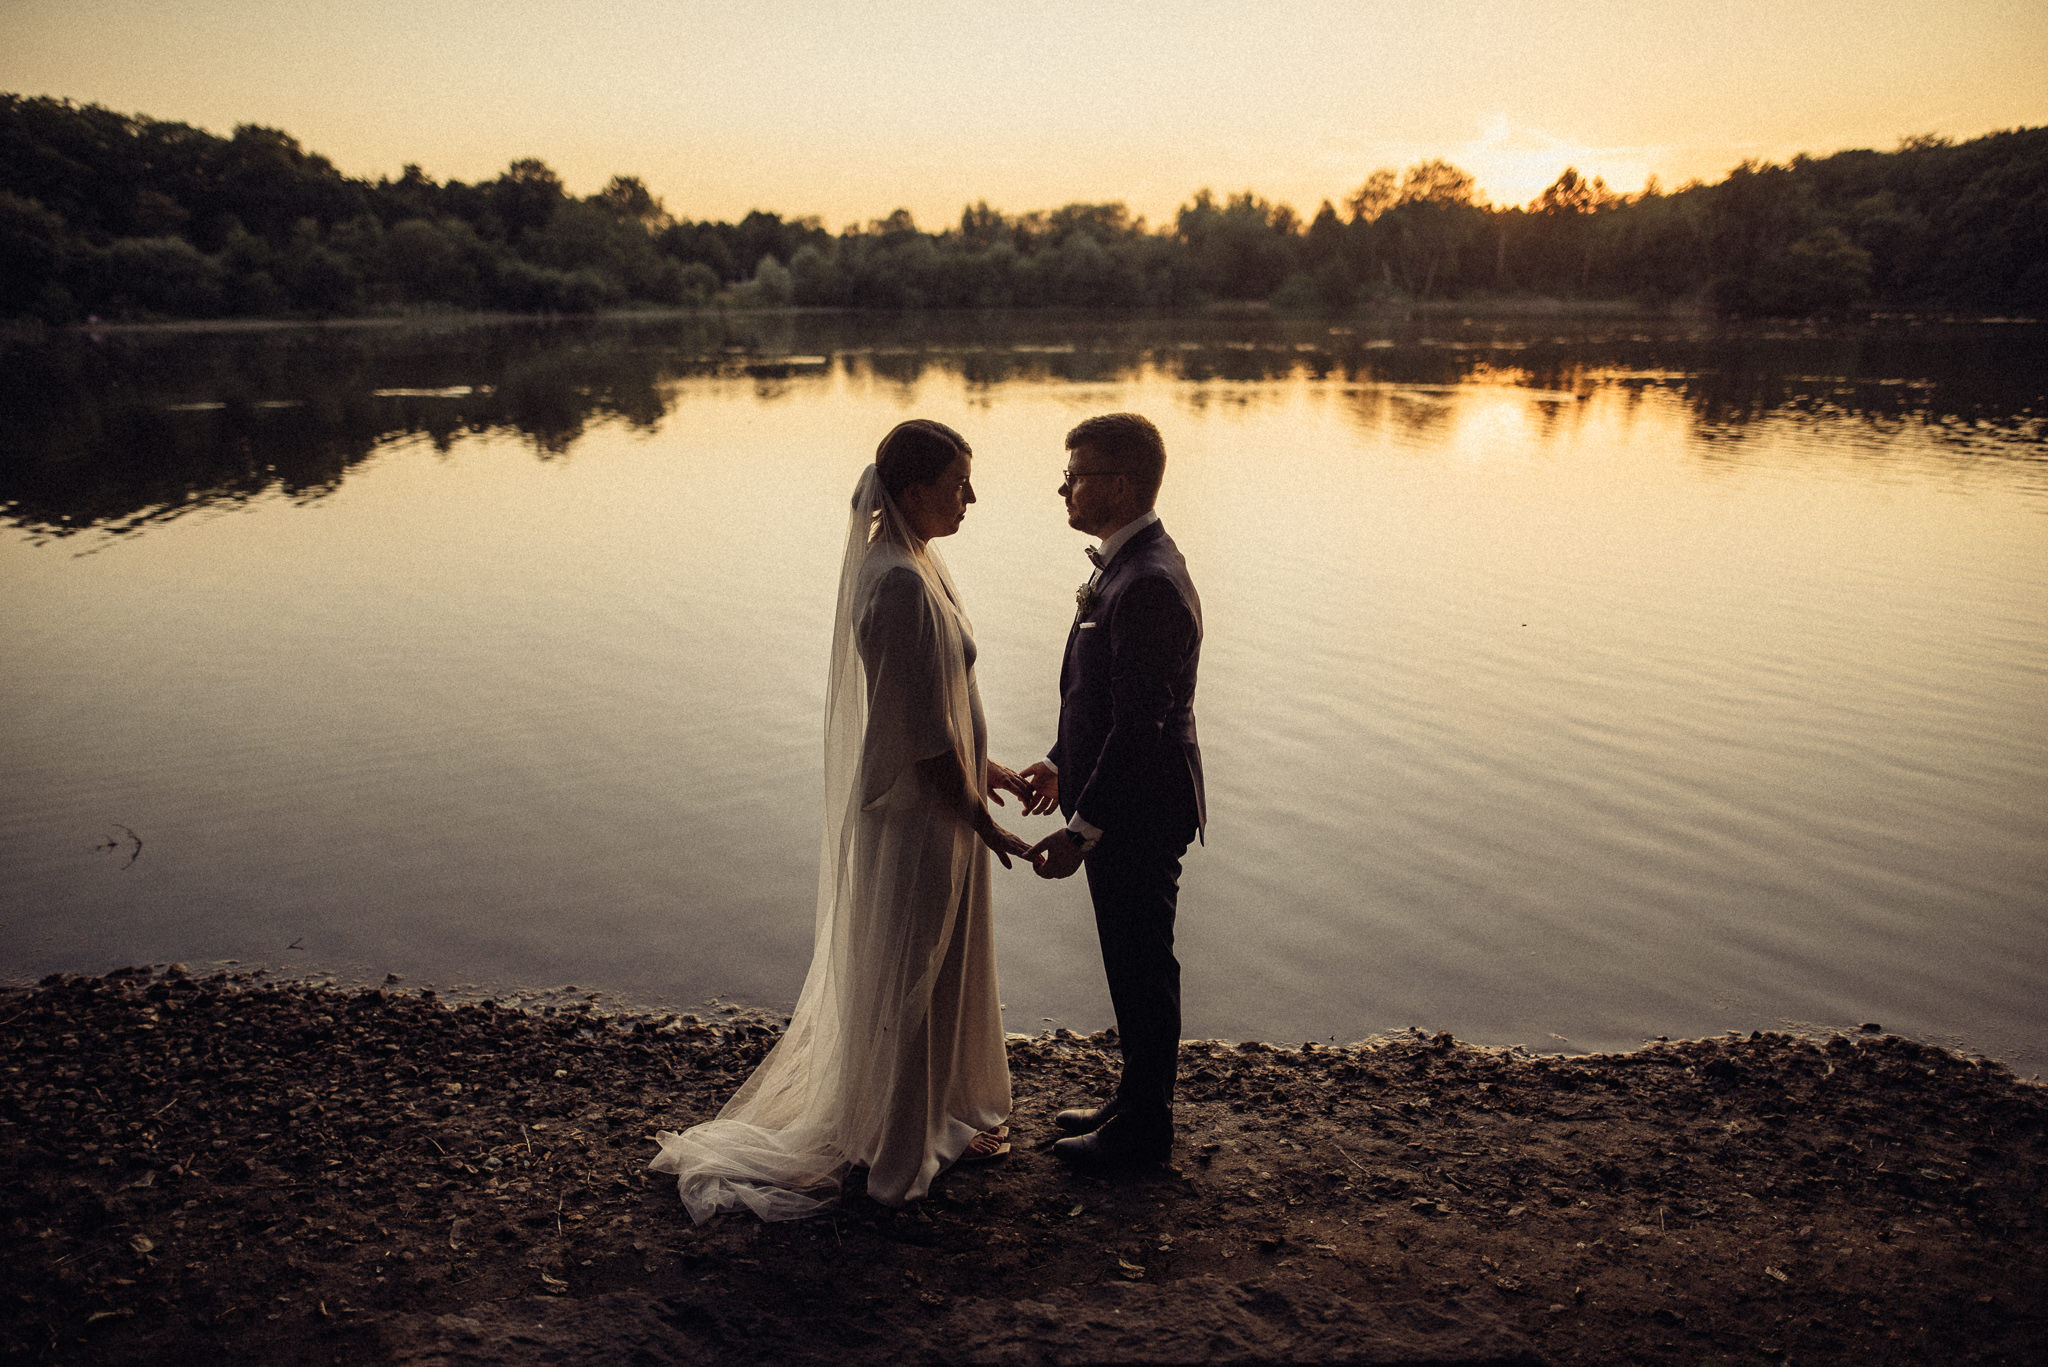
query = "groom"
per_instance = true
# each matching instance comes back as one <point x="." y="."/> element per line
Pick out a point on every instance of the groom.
<point x="1127" y="773"/>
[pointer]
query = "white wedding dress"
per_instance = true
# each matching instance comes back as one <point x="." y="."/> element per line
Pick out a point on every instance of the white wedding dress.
<point x="894" y="1057"/>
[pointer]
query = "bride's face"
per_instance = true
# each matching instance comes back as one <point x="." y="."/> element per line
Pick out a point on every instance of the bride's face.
<point x="937" y="509"/>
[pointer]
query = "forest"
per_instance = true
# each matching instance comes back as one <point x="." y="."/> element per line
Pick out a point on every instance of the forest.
<point x="114" y="216"/>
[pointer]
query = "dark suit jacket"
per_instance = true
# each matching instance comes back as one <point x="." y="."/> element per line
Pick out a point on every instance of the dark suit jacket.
<point x="1127" y="754"/>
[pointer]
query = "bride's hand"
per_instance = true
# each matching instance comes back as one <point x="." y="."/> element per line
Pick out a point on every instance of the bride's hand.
<point x="1000" y="840"/>
<point x="1001" y="779"/>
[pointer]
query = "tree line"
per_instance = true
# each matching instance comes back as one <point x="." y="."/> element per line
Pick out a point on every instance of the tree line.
<point x="123" y="216"/>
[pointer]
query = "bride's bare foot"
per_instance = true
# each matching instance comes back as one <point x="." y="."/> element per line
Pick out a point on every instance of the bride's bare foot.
<point x="986" y="1145"/>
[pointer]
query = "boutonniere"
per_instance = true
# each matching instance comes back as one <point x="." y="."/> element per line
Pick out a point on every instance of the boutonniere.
<point x="1084" y="599"/>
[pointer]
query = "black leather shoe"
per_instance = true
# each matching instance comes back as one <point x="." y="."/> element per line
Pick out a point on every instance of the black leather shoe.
<point x="1084" y="1119"/>
<point x="1116" y="1145"/>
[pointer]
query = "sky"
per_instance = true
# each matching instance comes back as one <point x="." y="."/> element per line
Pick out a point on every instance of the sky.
<point x="849" y="109"/>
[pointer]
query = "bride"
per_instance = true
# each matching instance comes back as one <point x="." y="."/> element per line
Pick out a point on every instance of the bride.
<point x="893" y="1059"/>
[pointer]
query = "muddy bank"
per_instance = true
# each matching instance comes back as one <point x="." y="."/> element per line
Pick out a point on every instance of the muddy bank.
<point x="221" y="1170"/>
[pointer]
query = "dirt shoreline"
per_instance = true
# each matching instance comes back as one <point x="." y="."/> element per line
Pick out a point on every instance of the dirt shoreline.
<point x="231" y="1171"/>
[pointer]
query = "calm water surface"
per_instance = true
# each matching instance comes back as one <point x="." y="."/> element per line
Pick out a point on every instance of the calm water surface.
<point x="1559" y="689"/>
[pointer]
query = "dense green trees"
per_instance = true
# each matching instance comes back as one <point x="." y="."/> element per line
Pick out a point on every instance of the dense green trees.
<point x="118" y="216"/>
<point x="104" y="214"/>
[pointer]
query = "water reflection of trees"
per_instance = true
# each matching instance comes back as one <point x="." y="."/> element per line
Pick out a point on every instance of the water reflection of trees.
<point x="127" y="430"/>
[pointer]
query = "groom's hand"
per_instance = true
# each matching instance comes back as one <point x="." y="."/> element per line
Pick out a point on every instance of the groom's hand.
<point x="1056" y="856"/>
<point x="1044" y="782"/>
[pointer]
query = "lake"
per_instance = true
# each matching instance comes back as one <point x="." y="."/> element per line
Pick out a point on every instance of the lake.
<point x="1566" y="683"/>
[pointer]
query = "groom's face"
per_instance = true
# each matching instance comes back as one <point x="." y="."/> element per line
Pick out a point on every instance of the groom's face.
<point x="1094" y="492"/>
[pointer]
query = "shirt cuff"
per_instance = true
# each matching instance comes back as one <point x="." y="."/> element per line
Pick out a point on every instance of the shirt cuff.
<point x="1086" y="831"/>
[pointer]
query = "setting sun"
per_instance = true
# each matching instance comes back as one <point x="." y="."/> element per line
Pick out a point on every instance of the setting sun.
<point x="848" y="111"/>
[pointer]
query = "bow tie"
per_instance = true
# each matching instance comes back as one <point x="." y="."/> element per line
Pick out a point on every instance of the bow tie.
<point x="1094" y="556"/>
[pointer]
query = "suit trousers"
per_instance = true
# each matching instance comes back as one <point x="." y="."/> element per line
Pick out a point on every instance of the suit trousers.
<point x="1134" y="881"/>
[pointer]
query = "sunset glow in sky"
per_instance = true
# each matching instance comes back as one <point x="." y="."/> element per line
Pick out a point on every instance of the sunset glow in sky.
<point x="849" y="110"/>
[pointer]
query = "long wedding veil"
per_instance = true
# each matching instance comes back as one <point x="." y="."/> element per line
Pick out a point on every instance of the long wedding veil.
<point x="889" y="889"/>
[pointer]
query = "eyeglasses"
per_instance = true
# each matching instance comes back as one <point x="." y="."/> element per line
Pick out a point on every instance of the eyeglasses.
<point x="1069" y="476"/>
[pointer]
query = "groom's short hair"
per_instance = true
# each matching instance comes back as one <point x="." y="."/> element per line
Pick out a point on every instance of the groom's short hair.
<point x="1131" y="444"/>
